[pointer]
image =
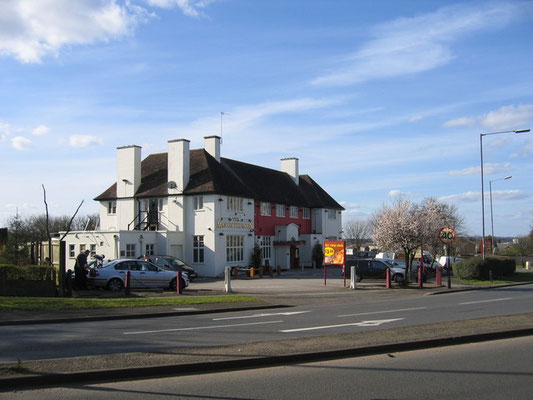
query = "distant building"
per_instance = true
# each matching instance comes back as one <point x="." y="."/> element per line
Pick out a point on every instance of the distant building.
<point x="209" y="211"/>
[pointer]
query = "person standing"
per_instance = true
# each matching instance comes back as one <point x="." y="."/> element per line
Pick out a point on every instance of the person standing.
<point x="80" y="270"/>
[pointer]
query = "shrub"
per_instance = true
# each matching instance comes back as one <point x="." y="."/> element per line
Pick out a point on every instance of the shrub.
<point x="27" y="272"/>
<point x="478" y="269"/>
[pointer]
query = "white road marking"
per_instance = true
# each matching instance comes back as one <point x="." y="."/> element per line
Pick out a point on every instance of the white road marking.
<point x="485" y="301"/>
<point x="383" y="312"/>
<point x="261" y="315"/>
<point x="194" y="328"/>
<point x="364" y="323"/>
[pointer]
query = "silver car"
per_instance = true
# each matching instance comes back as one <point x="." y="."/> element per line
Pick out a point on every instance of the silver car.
<point x="143" y="274"/>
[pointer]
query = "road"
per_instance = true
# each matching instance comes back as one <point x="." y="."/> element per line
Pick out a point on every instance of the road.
<point x="33" y="342"/>
<point x="489" y="370"/>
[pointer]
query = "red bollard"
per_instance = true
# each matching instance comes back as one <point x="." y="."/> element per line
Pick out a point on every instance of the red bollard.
<point x="387" y="278"/>
<point x="127" y="283"/>
<point x="438" y="277"/>
<point x="420" y="284"/>
<point x="178" y="282"/>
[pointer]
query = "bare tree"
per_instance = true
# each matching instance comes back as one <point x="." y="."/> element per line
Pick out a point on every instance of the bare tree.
<point x="358" y="231"/>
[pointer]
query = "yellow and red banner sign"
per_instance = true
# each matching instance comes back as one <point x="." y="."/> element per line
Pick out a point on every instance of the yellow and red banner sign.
<point x="334" y="252"/>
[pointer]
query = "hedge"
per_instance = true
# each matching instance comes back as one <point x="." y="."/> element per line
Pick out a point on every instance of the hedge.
<point x="27" y="272"/>
<point x="478" y="269"/>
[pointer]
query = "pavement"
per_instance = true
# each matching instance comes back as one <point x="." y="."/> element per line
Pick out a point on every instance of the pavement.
<point x="291" y="288"/>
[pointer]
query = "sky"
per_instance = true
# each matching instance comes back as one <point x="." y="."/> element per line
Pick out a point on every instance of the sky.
<point x="375" y="98"/>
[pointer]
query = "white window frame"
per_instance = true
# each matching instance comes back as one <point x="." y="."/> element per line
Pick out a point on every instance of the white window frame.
<point x="265" y="242"/>
<point x="198" y="203"/>
<point x="306" y="213"/>
<point x="234" y="248"/>
<point x="266" y="209"/>
<point x="72" y="250"/>
<point x="294" y="212"/>
<point x="82" y="247"/>
<point x="332" y="214"/>
<point x="111" y="207"/>
<point x="234" y="204"/>
<point x="130" y="250"/>
<point x="93" y="249"/>
<point x="149" y="249"/>
<point x="198" y="249"/>
<point x="280" y="210"/>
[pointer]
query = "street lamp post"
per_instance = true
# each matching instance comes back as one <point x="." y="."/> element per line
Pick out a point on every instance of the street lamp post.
<point x="482" y="184"/>
<point x="491" y="214"/>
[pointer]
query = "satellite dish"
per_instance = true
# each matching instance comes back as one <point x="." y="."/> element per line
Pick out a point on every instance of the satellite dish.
<point x="172" y="185"/>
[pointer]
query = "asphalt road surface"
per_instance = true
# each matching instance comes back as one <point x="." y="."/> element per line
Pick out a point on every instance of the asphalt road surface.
<point x="44" y="341"/>
<point x="485" y="371"/>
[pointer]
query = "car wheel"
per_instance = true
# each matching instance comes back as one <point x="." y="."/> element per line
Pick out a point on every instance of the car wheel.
<point x="398" y="278"/>
<point x="173" y="285"/>
<point x="115" y="285"/>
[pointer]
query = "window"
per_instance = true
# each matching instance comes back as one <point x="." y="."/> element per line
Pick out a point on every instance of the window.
<point x="280" y="210"/>
<point x="332" y="214"/>
<point x="198" y="203"/>
<point x="294" y="212"/>
<point x="130" y="250"/>
<point x="234" y="248"/>
<point x="149" y="249"/>
<point x="198" y="249"/>
<point x="93" y="250"/>
<point x="234" y="204"/>
<point x="265" y="209"/>
<point x="82" y="248"/>
<point x="161" y="204"/>
<point x="306" y="213"/>
<point x="72" y="250"/>
<point x="266" y="247"/>
<point x="111" y="207"/>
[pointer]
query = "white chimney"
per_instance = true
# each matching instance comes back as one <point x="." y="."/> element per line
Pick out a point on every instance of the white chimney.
<point x="290" y="166"/>
<point x="128" y="170"/>
<point x="178" y="165"/>
<point x="212" y="146"/>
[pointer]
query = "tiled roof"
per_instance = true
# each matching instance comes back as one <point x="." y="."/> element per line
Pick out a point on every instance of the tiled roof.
<point x="232" y="178"/>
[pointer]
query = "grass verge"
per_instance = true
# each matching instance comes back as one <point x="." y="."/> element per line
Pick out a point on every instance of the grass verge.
<point x="517" y="277"/>
<point x="60" y="303"/>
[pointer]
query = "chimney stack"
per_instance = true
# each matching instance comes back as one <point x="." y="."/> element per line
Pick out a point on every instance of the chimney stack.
<point x="178" y="165"/>
<point x="212" y="146"/>
<point x="290" y="166"/>
<point x="128" y="170"/>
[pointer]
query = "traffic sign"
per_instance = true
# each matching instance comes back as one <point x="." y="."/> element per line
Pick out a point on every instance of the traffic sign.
<point x="447" y="235"/>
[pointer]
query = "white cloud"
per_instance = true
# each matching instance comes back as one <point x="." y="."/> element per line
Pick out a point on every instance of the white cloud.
<point x="30" y="30"/>
<point x="464" y="121"/>
<point x="394" y="193"/>
<point x="508" y="117"/>
<point x="191" y="8"/>
<point x="84" y="141"/>
<point x="414" y="118"/>
<point x="488" y="168"/>
<point x="476" y="196"/>
<point x="504" y="118"/>
<point x="41" y="130"/>
<point x="21" y="143"/>
<point x="417" y="44"/>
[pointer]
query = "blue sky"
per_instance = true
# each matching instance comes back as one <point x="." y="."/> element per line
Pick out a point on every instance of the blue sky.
<point x="375" y="98"/>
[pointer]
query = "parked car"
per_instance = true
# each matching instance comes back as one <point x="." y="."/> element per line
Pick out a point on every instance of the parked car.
<point x="373" y="268"/>
<point x="143" y="274"/>
<point x="173" y="264"/>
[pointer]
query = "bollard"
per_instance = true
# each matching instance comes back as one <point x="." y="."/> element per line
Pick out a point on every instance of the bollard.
<point x="270" y="271"/>
<point x="279" y="270"/>
<point x="344" y="274"/>
<point x="68" y="283"/>
<point x="352" y="278"/>
<point x="490" y="277"/>
<point x="127" y="283"/>
<point x="387" y="278"/>
<point x="235" y="271"/>
<point x="179" y="289"/>
<point x="527" y="264"/>
<point x="261" y="271"/>
<point x="252" y="272"/>
<point x="438" y="277"/>
<point x="227" y="279"/>
<point x="420" y="284"/>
